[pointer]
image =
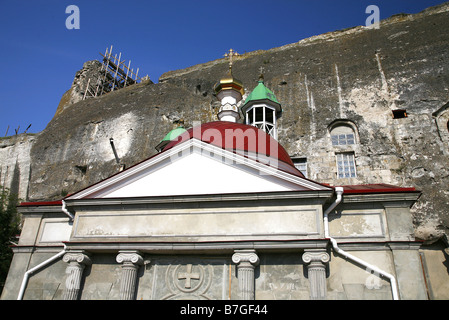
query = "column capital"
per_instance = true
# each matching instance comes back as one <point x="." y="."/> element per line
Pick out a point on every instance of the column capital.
<point x="245" y="256"/>
<point x="316" y="272"/>
<point x="246" y="261"/>
<point x="77" y="256"/>
<point x="130" y="260"/>
<point x="77" y="260"/>
<point x="133" y="257"/>
<point x="315" y="256"/>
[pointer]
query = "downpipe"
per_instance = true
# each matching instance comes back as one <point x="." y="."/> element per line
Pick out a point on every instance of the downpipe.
<point x="46" y="262"/>
<point x="371" y="268"/>
<point x="36" y="268"/>
<point x="64" y="209"/>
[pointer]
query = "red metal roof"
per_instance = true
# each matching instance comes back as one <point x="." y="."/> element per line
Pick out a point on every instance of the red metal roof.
<point x="243" y="139"/>
<point x="350" y="189"/>
<point x="376" y="188"/>
<point x="41" y="203"/>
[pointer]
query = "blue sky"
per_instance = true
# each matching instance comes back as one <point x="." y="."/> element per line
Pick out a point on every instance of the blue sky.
<point x="39" y="56"/>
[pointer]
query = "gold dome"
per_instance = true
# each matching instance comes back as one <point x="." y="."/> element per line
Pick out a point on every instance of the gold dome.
<point x="229" y="83"/>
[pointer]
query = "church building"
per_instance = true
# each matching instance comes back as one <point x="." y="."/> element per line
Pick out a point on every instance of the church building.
<point x="221" y="212"/>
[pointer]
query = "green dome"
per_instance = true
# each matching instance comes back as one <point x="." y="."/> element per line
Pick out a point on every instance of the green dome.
<point x="261" y="92"/>
<point x="173" y="134"/>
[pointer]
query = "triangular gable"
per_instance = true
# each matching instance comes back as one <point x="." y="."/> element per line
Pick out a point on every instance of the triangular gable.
<point x="195" y="167"/>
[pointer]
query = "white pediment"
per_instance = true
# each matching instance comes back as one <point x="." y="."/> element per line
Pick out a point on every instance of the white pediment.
<point x="194" y="168"/>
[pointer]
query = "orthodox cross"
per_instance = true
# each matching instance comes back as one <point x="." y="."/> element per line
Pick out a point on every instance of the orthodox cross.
<point x="231" y="54"/>
<point x="188" y="276"/>
<point x="261" y="70"/>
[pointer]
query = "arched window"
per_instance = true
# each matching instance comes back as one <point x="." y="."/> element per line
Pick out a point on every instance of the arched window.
<point x="344" y="138"/>
<point x="342" y="135"/>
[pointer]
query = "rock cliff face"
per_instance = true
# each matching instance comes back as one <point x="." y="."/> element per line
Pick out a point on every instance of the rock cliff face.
<point x="91" y="71"/>
<point x="15" y="162"/>
<point x="74" y="150"/>
<point x="357" y="76"/>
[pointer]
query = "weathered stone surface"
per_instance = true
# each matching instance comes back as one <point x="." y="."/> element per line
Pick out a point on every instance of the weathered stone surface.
<point x="91" y="70"/>
<point x="15" y="163"/>
<point x="357" y="74"/>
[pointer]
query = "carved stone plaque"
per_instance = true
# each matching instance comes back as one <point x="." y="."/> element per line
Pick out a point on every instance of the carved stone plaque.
<point x="189" y="281"/>
<point x="186" y="279"/>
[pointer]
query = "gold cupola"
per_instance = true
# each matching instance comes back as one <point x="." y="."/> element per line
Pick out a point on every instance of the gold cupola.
<point x="229" y="91"/>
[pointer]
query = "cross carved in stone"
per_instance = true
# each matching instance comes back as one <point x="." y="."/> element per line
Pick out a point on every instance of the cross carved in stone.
<point x="189" y="275"/>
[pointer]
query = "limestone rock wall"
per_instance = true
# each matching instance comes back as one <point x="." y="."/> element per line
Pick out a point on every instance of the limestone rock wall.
<point x="358" y="75"/>
<point x="15" y="163"/>
<point x="361" y="75"/>
<point x="91" y="70"/>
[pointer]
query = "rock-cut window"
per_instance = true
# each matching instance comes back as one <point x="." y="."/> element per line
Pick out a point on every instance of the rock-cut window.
<point x="346" y="165"/>
<point x="342" y="135"/>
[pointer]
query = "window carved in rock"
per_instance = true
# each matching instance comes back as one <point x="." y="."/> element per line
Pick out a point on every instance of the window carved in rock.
<point x="345" y="144"/>
<point x="343" y="135"/>
<point x="346" y="165"/>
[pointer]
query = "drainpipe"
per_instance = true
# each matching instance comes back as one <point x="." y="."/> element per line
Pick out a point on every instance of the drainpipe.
<point x="64" y="209"/>
<point x="32" y="270"/>
<point x="370" y="267"/>
<point x="48" y="261"/>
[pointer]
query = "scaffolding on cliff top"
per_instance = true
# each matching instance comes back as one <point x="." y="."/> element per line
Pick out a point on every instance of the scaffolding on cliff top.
<point x="115" y="74"/>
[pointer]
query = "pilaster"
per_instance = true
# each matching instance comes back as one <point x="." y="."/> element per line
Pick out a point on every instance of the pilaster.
<point x="77" y="262"/>
<point x="246" y="261"/>
<point x="316" y="269"/>
<point x="131" y="261"/>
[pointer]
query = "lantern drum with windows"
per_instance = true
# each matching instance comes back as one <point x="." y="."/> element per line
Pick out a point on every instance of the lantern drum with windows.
<point x="261" y="109"/>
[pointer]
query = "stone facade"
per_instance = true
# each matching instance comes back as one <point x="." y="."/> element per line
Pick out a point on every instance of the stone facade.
<point x="107" y="265"/>
<point x="387" y="88"/>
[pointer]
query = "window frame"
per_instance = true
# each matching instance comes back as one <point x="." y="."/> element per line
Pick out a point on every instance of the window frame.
<point x="303" y="162"/>
<point x="264" y="124"/>
<point x="346" y="124"/>
<point x="351" y="165"/>
<point x="343" y="139"/>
